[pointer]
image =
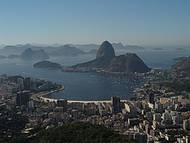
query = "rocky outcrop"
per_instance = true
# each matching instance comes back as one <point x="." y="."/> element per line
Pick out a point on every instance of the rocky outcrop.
<point x="105" y="51"/>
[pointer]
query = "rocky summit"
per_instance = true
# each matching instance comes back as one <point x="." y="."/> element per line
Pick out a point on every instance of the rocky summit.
<point x="106" y="50"/>
<point x="103" y="58"/>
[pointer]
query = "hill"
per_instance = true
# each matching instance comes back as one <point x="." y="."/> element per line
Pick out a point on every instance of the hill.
<point x="129" y="63"/>
<point x="79" y="133"/>
<point x="30" y="54"/>
<point x="181" y="67"/>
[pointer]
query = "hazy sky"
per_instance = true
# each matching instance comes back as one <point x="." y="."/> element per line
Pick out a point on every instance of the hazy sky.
<point x="142" y="22"/>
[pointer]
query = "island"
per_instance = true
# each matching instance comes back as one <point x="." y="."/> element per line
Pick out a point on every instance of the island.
<point x="47" y="65"/>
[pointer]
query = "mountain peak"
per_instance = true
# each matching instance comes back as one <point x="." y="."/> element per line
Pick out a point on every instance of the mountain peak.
<point x="106" y="50"/>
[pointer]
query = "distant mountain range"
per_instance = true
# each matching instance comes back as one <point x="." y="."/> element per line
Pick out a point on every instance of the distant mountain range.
<point x="43" y="52"/>
<point x="66" y="50"/>
<point x="105" y="61"/>
<point x="30" y="54"/>
<point x="17" y="49"/>
<point x="63" y="50"/>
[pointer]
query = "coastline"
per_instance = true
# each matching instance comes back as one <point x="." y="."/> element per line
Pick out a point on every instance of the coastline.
<point x="45" y="97"/>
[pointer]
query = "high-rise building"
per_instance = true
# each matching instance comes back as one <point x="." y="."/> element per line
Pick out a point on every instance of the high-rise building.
<point x="116" y="105"/>
<point x="140" y="137"/>
<point x="22" y="98"/>
<point x="158" y="107"/>
<point x="20" y="83"/>
<point x="27" y="83"/>
<point x="30" y="104"/>
<point x="62" y="103"/>
<point x="186" y="125"/>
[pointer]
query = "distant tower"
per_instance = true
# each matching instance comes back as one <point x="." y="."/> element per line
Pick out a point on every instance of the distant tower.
<point x="20" y="83"/>
<point x="22" y="98"/>
<point x="116" y="105"/>
<point x="27" y="83"/>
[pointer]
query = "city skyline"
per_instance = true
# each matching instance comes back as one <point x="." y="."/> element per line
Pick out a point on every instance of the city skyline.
<point x="139" y="22"/>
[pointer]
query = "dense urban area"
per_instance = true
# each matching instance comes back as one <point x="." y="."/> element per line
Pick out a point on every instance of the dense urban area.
<point x="158" y="112"/>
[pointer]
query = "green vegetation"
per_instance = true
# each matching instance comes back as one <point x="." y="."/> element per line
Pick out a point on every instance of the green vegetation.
<point x="178" y="86"/>
<point x="11" y="125"/>
<point x="79" y="133"/>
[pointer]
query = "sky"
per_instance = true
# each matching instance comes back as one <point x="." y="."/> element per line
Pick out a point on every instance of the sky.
<point x="139" y="22"/>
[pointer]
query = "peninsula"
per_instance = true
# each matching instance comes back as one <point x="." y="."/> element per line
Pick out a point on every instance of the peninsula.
<point x="107" y="61"/>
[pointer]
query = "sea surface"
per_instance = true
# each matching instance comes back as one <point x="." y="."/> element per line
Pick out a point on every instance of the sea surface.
<point x="90" y="86"/>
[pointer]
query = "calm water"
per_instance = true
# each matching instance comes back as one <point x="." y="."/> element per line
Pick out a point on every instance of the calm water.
<point x="89" y="86"/>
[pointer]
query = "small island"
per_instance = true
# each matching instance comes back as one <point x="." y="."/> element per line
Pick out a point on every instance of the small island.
<point x="47" y="65"/>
